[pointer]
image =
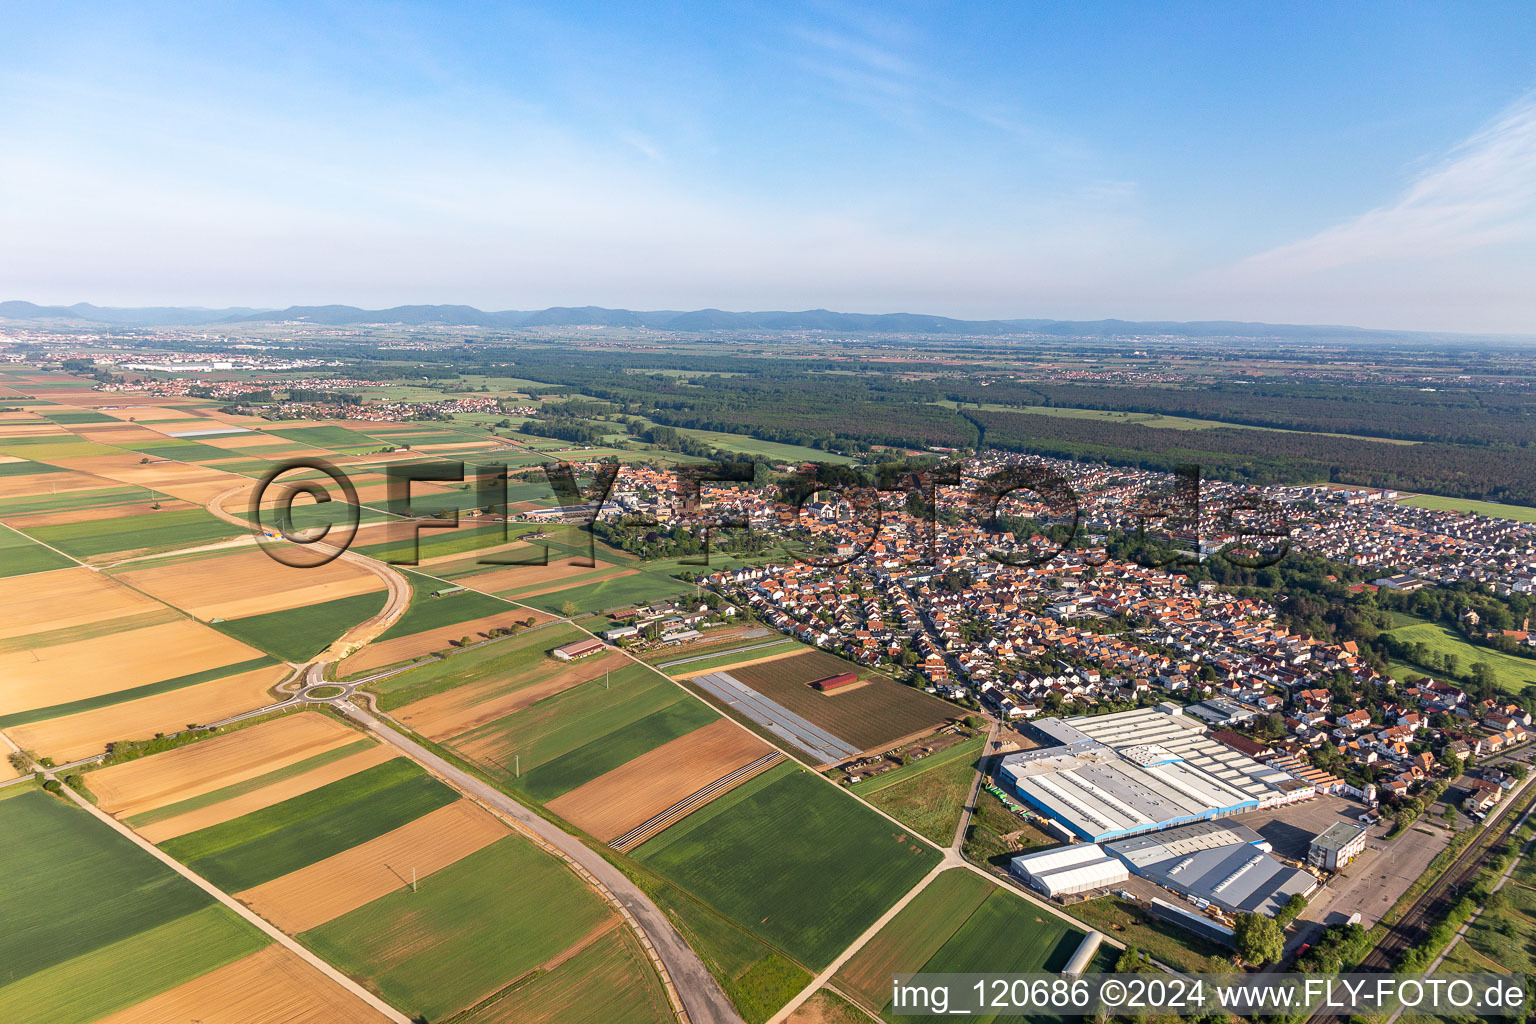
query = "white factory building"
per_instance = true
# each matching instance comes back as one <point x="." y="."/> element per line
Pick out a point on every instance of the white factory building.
<point x="1112" y="776"/>
<point x="1069" y="869"/>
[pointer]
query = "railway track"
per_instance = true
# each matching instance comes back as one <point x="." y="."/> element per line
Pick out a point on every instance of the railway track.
<point x="1412" y="925"/>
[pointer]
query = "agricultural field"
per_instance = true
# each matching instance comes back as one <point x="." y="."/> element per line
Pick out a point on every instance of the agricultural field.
<point x="1492" y="509"/>
<point x="957" y="924"/>
<point x="789" y="857"/>
<point x="609" y="981"/>
<point x="928" y="794"/>
<point x="467" y="931"/>
<point x="246" y="582"/>
<point x="1511" y="673"/>
<point x="20" y="555"/>
<point x="95" y="539"/>
<point x="298" y="634"/>
<point x="102" y="929"/>
<point x="873" y="713"/>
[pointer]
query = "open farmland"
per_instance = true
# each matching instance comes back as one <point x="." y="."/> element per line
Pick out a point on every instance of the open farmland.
<point x="233" y="585"/>
<point x="345" y="881"/>
<point x="932" y="798"/>
<point x="1511" y="673"/>
<point x="62" y="675"/>
<point x="468" y="931"/>
<point x="961" y="922"/>
<point x="146" y="784"/>
<point x="298" y="634"/>
<point x="574" y="736"/>
<point x="272" y="986"/>
<point x="657" y="779"/>
<point x="83" y="733"/>
<point x="792" y="858"/>
<point x="609" y="981"/>
<point x="246" y="851"/>
<point x="380" y="654"/>
<point x="20" y="555"/>
<point x="869" y="716"/>
<point x="103" y="928"/>
<point x="97" y="539"/>
<point x="512" y="659"/>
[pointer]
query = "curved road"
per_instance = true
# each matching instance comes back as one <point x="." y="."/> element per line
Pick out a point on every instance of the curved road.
<point x="700" y="995"/>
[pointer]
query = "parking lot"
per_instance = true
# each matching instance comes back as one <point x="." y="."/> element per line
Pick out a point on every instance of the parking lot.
<point x="1290" y="830"/>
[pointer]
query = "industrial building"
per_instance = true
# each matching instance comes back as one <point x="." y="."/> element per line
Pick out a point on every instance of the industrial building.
<point x="1218" y="863"/>
<point x="578" y="649"/>
<point x="1338" y="844"/>
<point x="1067" y="870"/>
<point x="1119" y="775"/>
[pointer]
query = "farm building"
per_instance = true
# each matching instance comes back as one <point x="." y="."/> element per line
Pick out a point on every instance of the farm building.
<point x="833" y="682"/>
<point x="1112" y="776"/>
<point x="578" y="649"/>
<point x="1336" y="846"/>
<point x="1067" y="870"/>
<point x="1215" y="862"/>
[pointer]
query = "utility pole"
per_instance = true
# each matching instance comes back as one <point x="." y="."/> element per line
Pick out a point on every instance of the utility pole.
<point x="517" y="766"/>
<point x="413" y="879"/>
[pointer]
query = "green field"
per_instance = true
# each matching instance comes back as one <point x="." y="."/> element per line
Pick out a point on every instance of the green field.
<point x="27" y="468"/>
<point x="276" y="840"/>
<point x="654" y="582"/>
<point x="432" y="542"/>
<point x="511" y="659"/>
<point x="427" y="612"/>
<point x="961" y="923"/>
<point x="932" y="798"/>
<point x="119" y="974"/>
<point x="615" y="748"/>
<point x="326" y="437"/>
<point x="791" y="858"/>
<point x="1511" y="672"/>
<point x="468" y="931"/>
<point x="92" y="923"/>
<point x="567" y="721"/>
<point x="609" y="982"/>
<point x="298" y="634"/>
<point x="747" y="652"/>
<point x="20" y="555"/>
<point x="1492" y="509"/>
<point x="95" y="888"/>
<point x="169" y="528"/>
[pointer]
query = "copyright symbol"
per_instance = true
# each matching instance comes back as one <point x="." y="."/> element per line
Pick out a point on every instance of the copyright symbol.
<point x="1112" y="992"/>
<point x="304" y="548"/>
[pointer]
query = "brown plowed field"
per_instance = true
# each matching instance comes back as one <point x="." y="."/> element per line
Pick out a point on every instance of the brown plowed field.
<point x="80" y="515"/>
<point x="250" y="582"/>
<point x="106" y="664"/>
<point x="617" y="801"/>
<point x="329" y="888"/>
<point x="60" y="600"/>
<point x="272" y="986"/>
<point x="266" y="796"/>
<point x="145" y="784"/>
<point x="868" y="717"/>
<point x="196" y="484"/>
<point x="445" y="715"/>
<point x="419" y="645"/>
<point x="33" y="484"/>
<point x="87" y="733"/>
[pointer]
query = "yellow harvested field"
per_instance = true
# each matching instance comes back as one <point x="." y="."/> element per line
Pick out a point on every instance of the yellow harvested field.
<point x="419" y="645"/>
<point x="558" y="570"/>
<point x="266" y="796"/>
<point x="445" y="715"/>
<point x="329" y="888"/>
<point x="192" y="483"/>
<point x="250" y="582"/>
<point x="272" y="986"/>
<point x="58" y="674"/>
<point x="87" y="733"/>
<point x="658" y="779"/>
<point x="59" y="600"/>
<point x="36" y="484"/>
<point x="185" y="772"/>
<point x="792" y="652"/>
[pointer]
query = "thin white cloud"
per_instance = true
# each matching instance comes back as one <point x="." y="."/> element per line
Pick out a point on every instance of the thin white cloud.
<point x="1483" y="193"/>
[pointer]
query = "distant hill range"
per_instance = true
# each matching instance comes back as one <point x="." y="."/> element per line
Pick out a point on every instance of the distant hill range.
<point x="692" y="321"/>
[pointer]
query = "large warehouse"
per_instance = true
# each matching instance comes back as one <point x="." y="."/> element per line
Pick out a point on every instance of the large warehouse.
<point x="1068" y="869"/>
<point x="1217" y="862"/>
<point x="1119" y="775"/>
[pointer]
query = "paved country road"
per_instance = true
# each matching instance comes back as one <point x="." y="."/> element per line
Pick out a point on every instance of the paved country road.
<point x="695" y="986"/>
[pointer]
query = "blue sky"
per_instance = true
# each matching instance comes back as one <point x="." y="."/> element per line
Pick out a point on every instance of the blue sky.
<point x="1344" y="163"/>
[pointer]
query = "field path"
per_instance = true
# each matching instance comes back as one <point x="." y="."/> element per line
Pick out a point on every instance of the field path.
<point x="684" y="971"/>
<point x="690" y="985"/>
<point x="229" y="901"/>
